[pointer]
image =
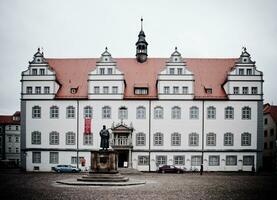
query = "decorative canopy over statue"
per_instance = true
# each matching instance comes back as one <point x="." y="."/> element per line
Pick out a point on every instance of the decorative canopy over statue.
<point x="105" y="136"/>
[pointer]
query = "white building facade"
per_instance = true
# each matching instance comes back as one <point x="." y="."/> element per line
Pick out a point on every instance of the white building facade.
<point x="184" y="112"/>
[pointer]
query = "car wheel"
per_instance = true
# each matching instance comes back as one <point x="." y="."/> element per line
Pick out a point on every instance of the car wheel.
<point x="163" y="171"/>
<point x="74" y="171"/>
<point x="178" y="172"/>
<point x="59" y="171"/>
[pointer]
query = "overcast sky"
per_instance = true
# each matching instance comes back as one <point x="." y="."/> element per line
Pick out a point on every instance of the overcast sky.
<point x="83" y="28"/>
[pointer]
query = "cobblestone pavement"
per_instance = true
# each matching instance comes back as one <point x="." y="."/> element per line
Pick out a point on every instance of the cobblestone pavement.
<point x="15" y="185"/>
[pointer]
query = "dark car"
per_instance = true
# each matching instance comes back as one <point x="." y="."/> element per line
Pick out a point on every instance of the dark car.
<point x="170" y="169"/>
<point x="66" y="168"/>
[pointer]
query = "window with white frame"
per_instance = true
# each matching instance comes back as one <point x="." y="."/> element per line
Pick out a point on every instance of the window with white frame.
<point x="161" y="160"/>
<point x="196" y="160"/>
<point x="176" y="112"/>
<point x="16" y="150"/>
<point x="229" y="112"/>
<point x="231" y="160"/>
<point x="70" y="138"/>
<point x="194" y="112"/>
<point x="211" y="112"/>
<point x="158" y="112"/>
<point x="37" y="90"/>
<point x="36" y="112"/>
<point x="140" y="139"/>
<point x="158" y="139"/>
<point x="241" y="71"/>
<point x="106" y="112"/>
<point x="244" y="90"/>
<point x="179" y="71"/>
<point x="87" y="112"/>
<point x="9" y="150"/>
<point x="123" y="113"/>
<point x="228" y="139"/>
<point x="185" y="90"/>
<point x="54" y="157"/>
<point x="70" y="112"/>
<point x="88" y="139"/>
<point x="42" y="71"/>
<point x="74" y="159"/>
<point x="115" y="90"/>
<point x="245" y="139"/>
<point x="102" y="71"/>
<point x="141" y="91"/>
<point x="17" y="139"/>
<point x="29" y="90"/>
<point x="46" y="90"/>
<point x="96" y="89"/>
<point x="34" y="71"/>
<point x="54" y="112"/>
<point x="179" y="160"/>
<point x="211" y="139"/>
<point x="246" y="112"/>
<point x="248" y="160"/>
<point x="110" y="70"/>
<point x="214" y="160"/>
<point x="193" y="139"/>
<point x="254" y="90"/>
<point x="54" y="138"/>
<point x="143" y="160"/>
<point x="166" y="90"/>
<point x="141" y="112"/>
<point x="235" y="90"/>
<point x="36" y="137"/>
<point x="36" y="157"/>
<point x="106" y="90"/>
<point x="249" y="71"/>
<point x="176" y="139"/>
<point x="175" y="90"/>
<point x="171" y="71"/>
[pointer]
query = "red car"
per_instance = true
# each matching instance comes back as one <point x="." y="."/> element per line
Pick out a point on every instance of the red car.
<point x="170" y="169"/>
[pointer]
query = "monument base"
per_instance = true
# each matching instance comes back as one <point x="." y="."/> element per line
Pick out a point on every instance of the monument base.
<point x="104" y="161"/>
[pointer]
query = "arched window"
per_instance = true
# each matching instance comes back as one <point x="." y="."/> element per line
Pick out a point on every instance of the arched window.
<point x="158" y="139"/>
<point x="193" y="139"/>
<point x="54" y="112"/>
<point x="123" y="113"/>
<point x="70" y="112"/>
<point x="194" y="112"/>
<point x="211" y="112"/>
<point x="141" y="112"/>
<point x="140" y="139"/>
<point x="87" y="112"/>
<point x="228" y="139"/>
<point x="245" y="139"/>
<point x="176" y="112"/>
<point x="106" y="112"/>
<point x="36" y="112"/>
<point x="246" y="112"/>
<point x="70" y="138"/>
<point x="211" y="139"/>
<point x="229" y="112"/>
<point x="158" y="112"/>
<point x="54" y="138"/>
<point x="175" y="139"/>
<point x="36" y="137"/>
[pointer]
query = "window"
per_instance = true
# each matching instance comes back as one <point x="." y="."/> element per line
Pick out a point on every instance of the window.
<point x="265" y="121"/>
<point x="196" y="160"/>
<point x="245" y="139"/>
<point x="36" y="137"/>
<point x="37" y="90"/>
<point x="9" y="150"/>
<point x="211" y="139"/>
<point x="102" y="71"/>
<point x="228" y="139"/>
<point x="70" y="112"/>
<point x="246" y="113"/>
<point x="42" y="71"/>
<point x="54" y="112"/>
<point x="140" y="139"/>
<point x="46" y="90"/>
<point x="271" y="132"/>
<point x="176" y="139"/>
<point x="158" y="113"/>
<point x="10" y="139"/>
<point x="158" y="139"/>
<point x="114" y="89"/>
<point x="10" y="127"/>
<point x="96" y="90"/>
<point x="74" y="159"/>
<point x="16" y="150"/>
<point x="236" y="90"/>
<point x="194" y="112"/>
<point x="175" y="90"/>
<point x="36" y="157"/>
<point x="88" y="139"/>
<point x="265" y="145"/>
<point x="229" y="112"/>
<point x="141" y="91"/>
<point x="110" y="70"/>
<point x="254" y="90"/>
<point x="106" y="90"/>
<point x="179" y="160"/>
<point x="241" y="71"/>
<point x="248" y="160"/>
<point x="209" y="90"/>
<point x="214" y="160"/>
<point x="265" y="133"/>
<point x="249" y="71"/>
<point x="54" y="157"/>
<point x="171" y="71"/>
<point x="141" y="112"/>
<point x="36" y="112"/>
<point x="29" y="90"/>
<point x="166" y="90"/>
<point x="231" y="160"/>
<point x="185" y="90"/>
<point x="180" y="71"/>
<point x="54" y="138"/>
<point x="122" y="113"/>
<point x="244" y="90"/>
<point x="211" y="112"/>
<point x="176" y="112"/>
<point x="70" y="138"/>
<point x="106" y="112"/>
<point x="16" y="139"/>
<point x="193" y="139"/>
<point x="143" y="160"/>
<point x="161" y="160"/>
<point x="87" y="112"/>
<point x="34" y="71"/>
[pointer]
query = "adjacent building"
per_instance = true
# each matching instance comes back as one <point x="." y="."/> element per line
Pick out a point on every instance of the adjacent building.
<point x="175" y="110"/>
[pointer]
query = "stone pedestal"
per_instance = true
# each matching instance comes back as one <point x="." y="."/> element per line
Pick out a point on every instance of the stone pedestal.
<point x="104" y="161"/>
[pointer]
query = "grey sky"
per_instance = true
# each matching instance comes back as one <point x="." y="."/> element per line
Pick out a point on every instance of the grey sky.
<point x="212" y="28"/>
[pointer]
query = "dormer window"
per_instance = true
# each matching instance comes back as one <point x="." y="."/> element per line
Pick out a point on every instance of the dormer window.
<point x="141" y="91"/>
<point x="42" y="71"/>
<point x="110" y="70"/>
<point x="209" y="90"/>
<point x="73" y="90"/>
<point x="249" y="71"/>
<point x="171" y="71"/>
<point x="34" y="71"/>
<point x="241" y="71"/>
<point x="180" y="71"/>
<point x="102" y="71"/>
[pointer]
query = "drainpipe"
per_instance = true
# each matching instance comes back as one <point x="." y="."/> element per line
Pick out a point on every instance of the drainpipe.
<point x="77" y="134"/>
<point x="203" y="129"/>
<point x="149" y="131"/>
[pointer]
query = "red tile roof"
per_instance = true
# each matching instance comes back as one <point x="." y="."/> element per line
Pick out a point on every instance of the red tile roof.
<point x="73" y="73"/>
<point x="272" y="110"/>
<point x="8" y="120"/>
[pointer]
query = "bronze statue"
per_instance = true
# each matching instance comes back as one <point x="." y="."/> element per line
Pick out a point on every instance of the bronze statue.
<point x="105" y="136"/>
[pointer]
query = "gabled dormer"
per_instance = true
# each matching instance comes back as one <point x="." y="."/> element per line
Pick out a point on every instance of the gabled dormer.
<point x="244" y="81"/>
<point x="175" y="81"/>
<point x="39" y="80"/>
<point x="106" y="81"/>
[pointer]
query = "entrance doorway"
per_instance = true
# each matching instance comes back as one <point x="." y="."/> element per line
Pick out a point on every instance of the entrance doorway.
<point x="122" y="157"/>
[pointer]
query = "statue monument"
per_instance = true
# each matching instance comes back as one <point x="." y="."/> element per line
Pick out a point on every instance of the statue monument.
<point x="105" y="136"/>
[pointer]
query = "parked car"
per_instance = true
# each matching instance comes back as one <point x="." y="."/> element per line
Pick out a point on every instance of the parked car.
<point x="171" y="169"/>
<point x="66" y="168"/>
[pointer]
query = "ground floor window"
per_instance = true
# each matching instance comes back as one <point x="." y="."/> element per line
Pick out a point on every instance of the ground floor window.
<point x="74" y="159"/>
<point x="195" y="160"/>
<point x="54" y="158"/>
<point x="143" y="160"/>
<point x="179" y="160"/>
<point x="231" y="160"/>
<point x="214" y="160"/>
<point x="36" y="157"/>
<point x="248" y="160"/>
<point x="161" y="160"/>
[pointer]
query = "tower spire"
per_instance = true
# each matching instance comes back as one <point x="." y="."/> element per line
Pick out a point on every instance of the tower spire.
<point x="141" y="45"/>
<point x="141" y="23"/>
